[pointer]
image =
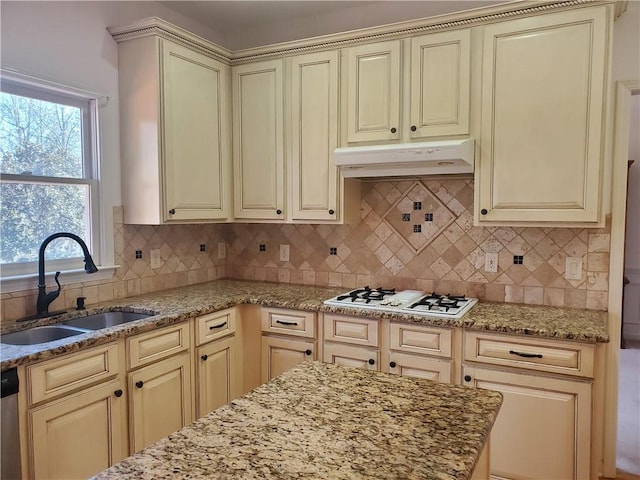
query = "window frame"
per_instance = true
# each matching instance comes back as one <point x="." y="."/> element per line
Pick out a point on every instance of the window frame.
<point x="88" y="104"/>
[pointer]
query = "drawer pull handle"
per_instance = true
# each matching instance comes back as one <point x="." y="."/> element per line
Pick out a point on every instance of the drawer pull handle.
<point x="213" y="327"/>
<point x="139" y="383"/>
<point x="526" y="355"/>
<point x="118" y="393"/>
<point x="286" y="323"/>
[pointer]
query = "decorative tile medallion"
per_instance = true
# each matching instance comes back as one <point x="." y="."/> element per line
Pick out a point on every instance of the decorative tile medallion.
<point x="432" y="224"/>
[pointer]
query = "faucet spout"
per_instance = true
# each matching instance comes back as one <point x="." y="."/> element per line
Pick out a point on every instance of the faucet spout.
<point x="45" y="299"/>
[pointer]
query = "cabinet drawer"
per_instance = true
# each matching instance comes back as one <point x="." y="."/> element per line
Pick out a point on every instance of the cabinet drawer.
<point x="532" y="354"/>
<point x="64" y="375"/>
<point x="419" y="339"/>
<point x="359" y="331"/>
<point x="215" y="325"/>
<point x="289" y="322"/>
<point x="152" y="346"/>
<point x="420" y="367"/>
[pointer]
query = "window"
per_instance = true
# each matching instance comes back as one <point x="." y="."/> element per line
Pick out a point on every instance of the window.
<point x="48" y="176"/>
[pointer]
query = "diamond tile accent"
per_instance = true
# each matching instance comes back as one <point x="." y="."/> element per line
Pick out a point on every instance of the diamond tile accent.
<point x="418" y="238"/>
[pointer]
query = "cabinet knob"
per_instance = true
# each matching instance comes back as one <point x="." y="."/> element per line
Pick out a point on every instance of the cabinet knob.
<point x="118" y="393"/>
<point x="392" y="364"/>
<point x="139" y="383"/>
<point x="204" y="357"/>
<point x="172" y="211"/>
<point x="372" y="361"/>
<point x="308" y="352"/>
<point x="484" y="211"/>
<point x="331" y="211"/>
<point x="279" y="212"/>
<point x="413" y="128"/>
<point x="467" y="378"/>
<point x="393" y="130"/>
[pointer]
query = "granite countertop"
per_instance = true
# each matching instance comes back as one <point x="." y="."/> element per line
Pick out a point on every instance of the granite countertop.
<point x="173" y="306"/>
<point x="320" y="420"/>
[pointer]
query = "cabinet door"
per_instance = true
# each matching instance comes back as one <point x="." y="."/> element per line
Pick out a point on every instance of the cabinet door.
<point x="543" y="90"/>
<point x="440" y="64"/>
<point x="160" y="400"/>
<point x="258" y="141"/>
<point x="79" y="435"/>
<point x="196" y="136"/>
<point x="419" y="366"/>
<point x="314" y="136"/>
<point x="352" y="356"/>
<point x="543" y="429"/>
<point x="280" y="354"/>
<point x="373" y="101"/>
<point x="217" y="375"/>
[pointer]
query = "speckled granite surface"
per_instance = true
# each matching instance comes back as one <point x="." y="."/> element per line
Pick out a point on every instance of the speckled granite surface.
<point x="323" y="421"/>
<point x="173" y="306"/>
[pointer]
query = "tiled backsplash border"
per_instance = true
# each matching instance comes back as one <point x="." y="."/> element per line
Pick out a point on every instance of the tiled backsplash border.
<point x="375" y="252"/>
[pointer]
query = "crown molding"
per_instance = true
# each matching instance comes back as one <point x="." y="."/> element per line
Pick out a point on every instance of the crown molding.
<point x="155" y="26"/>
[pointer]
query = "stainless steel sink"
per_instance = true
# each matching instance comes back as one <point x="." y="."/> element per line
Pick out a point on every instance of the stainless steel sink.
<point x="98" y="321"/>
<point x="35" y="335"/>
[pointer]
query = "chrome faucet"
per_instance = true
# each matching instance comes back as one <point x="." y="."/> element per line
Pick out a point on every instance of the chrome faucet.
<point x="44" y="298"/>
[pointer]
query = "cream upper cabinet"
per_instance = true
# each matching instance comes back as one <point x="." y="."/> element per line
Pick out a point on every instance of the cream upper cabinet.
<point x="258" y="141"/>
<point x="175" y="135"/>
<point x="544" y="83"/>
<point x="436" y="71"/>
<point x="314" y="136"/>
<point x="373" y="96"/>
<point x="440" y="73"/>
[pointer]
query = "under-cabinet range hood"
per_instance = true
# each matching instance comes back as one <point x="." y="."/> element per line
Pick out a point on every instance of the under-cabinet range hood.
<point x="407" y="159"/>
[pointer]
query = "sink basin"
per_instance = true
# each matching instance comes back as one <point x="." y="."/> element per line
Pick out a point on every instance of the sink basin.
<point x="98" y="321"/>
<point x="36" y="335"/>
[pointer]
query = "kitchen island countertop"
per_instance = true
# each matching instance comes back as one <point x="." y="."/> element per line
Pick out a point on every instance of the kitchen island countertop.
<point x="324" y="421"/>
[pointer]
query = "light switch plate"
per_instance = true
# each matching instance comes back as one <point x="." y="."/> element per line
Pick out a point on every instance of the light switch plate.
<point x="573" y="268"/>
<point x="284" y="253"/>
<point x="491" y="262"/>
<point x="156" y="260"/>
<point x="222" y="250"/>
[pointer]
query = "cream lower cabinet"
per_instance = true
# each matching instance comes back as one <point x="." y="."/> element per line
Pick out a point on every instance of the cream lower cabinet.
<point x="420" y="351"/>
<point x="159" y="384"/>
<point x="175" y="132"/>
<point x="351" y="341"/>
<point x="288" y="339"/>
<point x="544" y="88"/>
<point x="218" y="378"/>
<point x="77" y="421"/>
<point x="543" y="429"/>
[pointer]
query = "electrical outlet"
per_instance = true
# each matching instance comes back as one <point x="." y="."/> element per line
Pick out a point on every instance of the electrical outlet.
<point x="222" y="250"/>
<point x="284" y="253"/>
<point x="491" y="262"/>
<point x="156" y="260"/>
<point x="573" y="268"/>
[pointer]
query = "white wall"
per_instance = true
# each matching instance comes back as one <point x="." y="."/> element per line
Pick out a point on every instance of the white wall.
<point x="67" y="43"/>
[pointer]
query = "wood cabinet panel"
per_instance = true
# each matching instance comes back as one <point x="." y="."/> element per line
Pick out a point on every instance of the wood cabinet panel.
<point x="544" y="83"/>
<point x="79" y="435"/>
<point x="218" y="377"/>
<point x="258" y="140"/>
<point x="352" y="356"/>
<point x="424" y="340"/>
<point x="150" y="347"/>
<point x="289" y="322"/>
<point x="159" y="400"/>
<point x="279" y="354"/>
<point x="420" y="366"/>
<point x="215" y="325"/>
<point x="356" y="330"/>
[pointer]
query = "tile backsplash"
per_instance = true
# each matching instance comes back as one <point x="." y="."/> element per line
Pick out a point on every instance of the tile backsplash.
<point x="413" y="234"/>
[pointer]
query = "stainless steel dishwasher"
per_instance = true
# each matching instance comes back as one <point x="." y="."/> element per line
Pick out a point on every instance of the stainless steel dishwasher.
<point x="10" y="459"/>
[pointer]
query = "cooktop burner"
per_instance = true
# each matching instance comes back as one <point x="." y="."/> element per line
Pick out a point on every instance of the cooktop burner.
<point x="406" y="301"/>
